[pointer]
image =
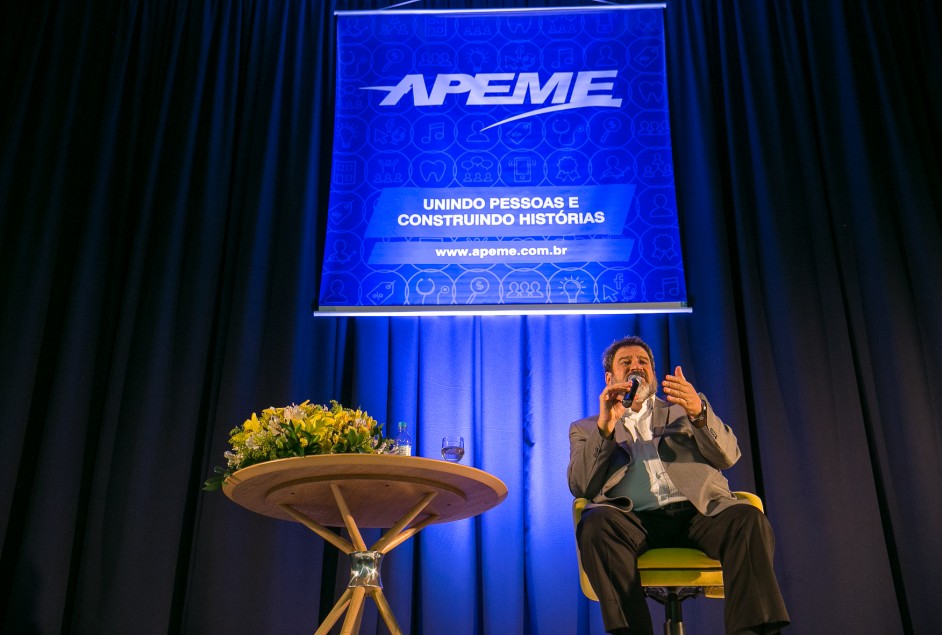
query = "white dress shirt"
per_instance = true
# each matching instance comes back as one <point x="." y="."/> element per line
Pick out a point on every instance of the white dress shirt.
<point x="650" y="487"/>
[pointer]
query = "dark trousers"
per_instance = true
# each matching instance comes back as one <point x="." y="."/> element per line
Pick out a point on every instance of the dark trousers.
<point x="610" y="540"/>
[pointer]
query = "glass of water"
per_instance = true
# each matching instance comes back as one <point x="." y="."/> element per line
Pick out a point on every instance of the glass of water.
<point x="453" y="449"/>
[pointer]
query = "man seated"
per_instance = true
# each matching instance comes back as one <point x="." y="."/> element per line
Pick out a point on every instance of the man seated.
<point x="651" y="471"/>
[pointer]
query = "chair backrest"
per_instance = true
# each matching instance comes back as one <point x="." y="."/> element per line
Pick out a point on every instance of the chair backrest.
<point x="577" y="506"/>
<point x="752" y="498"/>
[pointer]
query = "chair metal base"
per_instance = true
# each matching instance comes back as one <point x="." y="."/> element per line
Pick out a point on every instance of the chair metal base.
<point x="672" y="598"/>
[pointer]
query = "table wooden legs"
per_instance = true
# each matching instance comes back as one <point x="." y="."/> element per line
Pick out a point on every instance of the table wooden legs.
<point x="352" y="623"/>
<point x="384" y="611"/>
<point x="335" y="613"/>
<point x="363" y="580"/>
<point x="349" y="600"/>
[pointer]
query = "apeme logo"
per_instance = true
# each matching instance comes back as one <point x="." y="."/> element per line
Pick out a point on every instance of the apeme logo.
<point x="564" y="91"/>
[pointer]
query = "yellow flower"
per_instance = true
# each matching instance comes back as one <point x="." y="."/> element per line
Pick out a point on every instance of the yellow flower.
<point x="300" y="430"/>
<point x="252" y="425"/>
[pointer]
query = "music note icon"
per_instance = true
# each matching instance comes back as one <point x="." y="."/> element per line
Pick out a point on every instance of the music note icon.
<point x="670" y="287"/>
<point x="436" y="132"/>
<point x="564" y="57"/>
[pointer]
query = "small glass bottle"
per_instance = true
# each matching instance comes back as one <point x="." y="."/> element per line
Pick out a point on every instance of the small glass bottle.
<point x="403" y="440"/>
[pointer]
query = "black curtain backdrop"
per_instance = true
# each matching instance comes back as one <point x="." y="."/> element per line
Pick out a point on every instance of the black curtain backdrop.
<point x="164" y="172"/>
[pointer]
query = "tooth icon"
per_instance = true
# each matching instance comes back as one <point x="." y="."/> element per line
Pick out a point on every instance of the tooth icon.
<point x="652" y="91"/>
<point x="430" y="169"/>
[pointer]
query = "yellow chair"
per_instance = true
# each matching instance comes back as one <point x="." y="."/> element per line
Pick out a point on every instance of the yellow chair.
<point x="670" y="575"/>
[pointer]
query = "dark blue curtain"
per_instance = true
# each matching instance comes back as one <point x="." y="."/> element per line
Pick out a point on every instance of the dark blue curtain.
<point x="163" y="185"/>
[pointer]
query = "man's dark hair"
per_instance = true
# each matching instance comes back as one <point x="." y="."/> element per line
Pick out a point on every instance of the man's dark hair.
<point x="608" y="357"/>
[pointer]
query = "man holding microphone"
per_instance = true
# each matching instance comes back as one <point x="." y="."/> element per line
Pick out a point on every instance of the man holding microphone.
<point x="650" y="468"/>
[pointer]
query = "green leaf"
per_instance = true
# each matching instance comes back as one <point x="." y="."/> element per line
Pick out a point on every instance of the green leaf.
<point x="213" y="484"/>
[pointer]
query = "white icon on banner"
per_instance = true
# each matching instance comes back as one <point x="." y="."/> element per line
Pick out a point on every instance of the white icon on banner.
<point x="479" y="286"/>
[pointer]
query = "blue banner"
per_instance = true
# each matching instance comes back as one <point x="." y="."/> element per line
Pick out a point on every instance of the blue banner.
<point x="509" y="160"/>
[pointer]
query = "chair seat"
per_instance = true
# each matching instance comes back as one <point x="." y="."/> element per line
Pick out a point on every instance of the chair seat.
<point x="676" y="567"/>
<point x="676" y="558"/>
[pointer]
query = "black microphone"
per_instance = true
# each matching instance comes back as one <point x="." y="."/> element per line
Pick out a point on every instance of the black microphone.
<point x="630" y="395"/>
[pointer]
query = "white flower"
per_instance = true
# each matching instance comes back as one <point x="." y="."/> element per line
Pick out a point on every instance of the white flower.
<point x="294" y="413"/>
<point x="233" y="459"/>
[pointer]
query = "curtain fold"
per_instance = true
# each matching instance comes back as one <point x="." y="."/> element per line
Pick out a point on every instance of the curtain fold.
<point x="164" y="173"/>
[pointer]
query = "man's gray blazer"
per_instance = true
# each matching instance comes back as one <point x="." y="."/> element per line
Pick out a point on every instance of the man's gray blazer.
<point x="692" y="457"/>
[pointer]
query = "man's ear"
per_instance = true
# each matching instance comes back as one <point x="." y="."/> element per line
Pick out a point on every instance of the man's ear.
<point x="608" y="378"/>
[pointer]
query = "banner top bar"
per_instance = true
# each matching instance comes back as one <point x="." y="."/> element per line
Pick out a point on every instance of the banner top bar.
<point x="508" y="10"/>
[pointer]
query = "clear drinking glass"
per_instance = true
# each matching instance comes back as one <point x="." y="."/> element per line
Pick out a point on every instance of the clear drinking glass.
<point x="453" y="449"/>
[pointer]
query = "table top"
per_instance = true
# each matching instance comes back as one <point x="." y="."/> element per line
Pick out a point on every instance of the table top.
<point x="378" y="488"/>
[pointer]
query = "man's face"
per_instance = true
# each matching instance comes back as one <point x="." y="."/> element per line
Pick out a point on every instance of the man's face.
<point x="630" y="360"/>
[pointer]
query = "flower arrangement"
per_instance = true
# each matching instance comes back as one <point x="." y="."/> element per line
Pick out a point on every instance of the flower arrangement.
<point x="300" y="430"/>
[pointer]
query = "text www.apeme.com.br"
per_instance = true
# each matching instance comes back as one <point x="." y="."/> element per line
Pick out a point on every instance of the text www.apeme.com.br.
<point x="503" y="253"/>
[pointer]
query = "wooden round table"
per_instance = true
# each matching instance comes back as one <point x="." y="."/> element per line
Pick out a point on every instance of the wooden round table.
<point x="402" y="493"/>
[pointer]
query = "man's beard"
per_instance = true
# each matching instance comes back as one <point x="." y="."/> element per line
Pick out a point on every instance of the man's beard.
<point x="645" y="391"/>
